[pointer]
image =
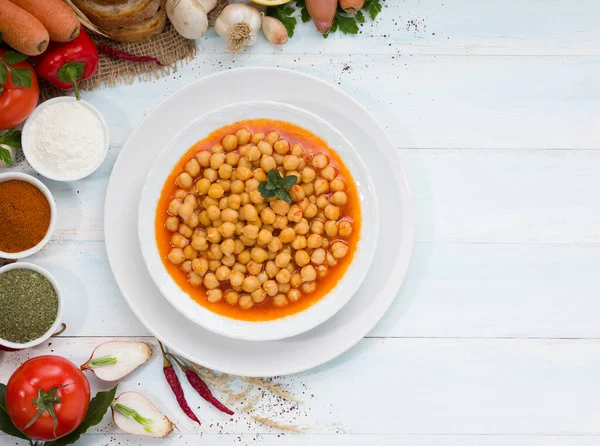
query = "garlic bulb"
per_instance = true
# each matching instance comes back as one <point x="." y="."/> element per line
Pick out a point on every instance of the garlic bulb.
<point x="239" y="24"/>
<point x="190" y="17"/>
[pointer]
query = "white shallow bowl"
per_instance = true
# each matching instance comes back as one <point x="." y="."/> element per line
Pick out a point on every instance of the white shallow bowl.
<point x="59" y="314"/>
<point x="42" y="187"/>
<point x="288" y="326"/>
<point x="42" y="169"/>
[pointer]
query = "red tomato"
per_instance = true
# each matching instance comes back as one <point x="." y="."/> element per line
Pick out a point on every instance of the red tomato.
<point x="42" y="385"/>
<point x="17" y="103"/>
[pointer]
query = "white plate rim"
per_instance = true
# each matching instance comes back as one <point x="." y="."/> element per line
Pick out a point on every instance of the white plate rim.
<point x="322" y="310"/>
<point x="401" y="262"/>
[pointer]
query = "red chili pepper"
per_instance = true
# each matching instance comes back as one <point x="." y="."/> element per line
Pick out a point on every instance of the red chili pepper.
<point x="123" y="55"/>
<point x="200" y="386"/>
<point x="175" y="385"/>
<point x="65" y="64"/>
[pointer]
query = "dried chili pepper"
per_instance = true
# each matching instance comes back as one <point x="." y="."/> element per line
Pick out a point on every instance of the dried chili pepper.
<point x="175" y="385"/>
<point x="200" y="386"/>
<point x="123" y="55"/>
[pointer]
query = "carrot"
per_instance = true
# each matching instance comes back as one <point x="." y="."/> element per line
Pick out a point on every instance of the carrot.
<point x="58" y="18"/>
<point x="21" y="30"/>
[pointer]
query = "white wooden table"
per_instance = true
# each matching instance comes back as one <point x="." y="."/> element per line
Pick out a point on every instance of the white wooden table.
<point x="494" y="338"/>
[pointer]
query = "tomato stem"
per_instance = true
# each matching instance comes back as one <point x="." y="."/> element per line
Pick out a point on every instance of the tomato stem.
<point x="45" y="402"/>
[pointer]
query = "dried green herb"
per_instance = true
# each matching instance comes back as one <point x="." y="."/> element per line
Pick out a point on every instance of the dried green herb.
<point x="28" y="305"/>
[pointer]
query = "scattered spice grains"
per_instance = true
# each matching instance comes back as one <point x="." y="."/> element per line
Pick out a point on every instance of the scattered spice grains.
<point x="24" y="216"/>
<point x="28" y="305"/>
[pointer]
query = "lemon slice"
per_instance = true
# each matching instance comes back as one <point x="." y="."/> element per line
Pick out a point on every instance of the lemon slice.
<point x="271" y="2"/>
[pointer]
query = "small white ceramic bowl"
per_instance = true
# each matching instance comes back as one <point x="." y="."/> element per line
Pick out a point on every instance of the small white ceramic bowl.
<point x="42" y="170"/>
<point x="41" y="186"/>
<point x="59" y="314"/>
<point x="288" y="326"/>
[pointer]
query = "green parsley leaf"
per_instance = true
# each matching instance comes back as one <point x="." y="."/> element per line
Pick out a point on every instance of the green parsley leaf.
<point x="347" y="25"/>
<point x="21" y="77"/>
<point x="3" y="73"/>
<point x="360" y="17"/>
<point x="303" y="11"/>
<point x="12" y="57"/>
<point x="284" y="195"/>
<point x="11" y="138"/>
<point x="283" y="13"/>
<point x="5" y="156"/>
<point x="276" y="186"/>
<point x="373" y="7"/>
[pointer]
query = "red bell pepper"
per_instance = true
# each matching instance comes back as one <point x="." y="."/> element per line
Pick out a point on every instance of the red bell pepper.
<point x="64" y="64"/>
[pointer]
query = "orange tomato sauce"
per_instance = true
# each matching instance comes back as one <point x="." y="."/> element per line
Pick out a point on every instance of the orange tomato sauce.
<point x="264" y="311"/>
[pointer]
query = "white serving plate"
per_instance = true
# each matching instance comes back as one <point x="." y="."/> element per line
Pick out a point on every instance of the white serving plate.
<point x="328" y="340"/>
<point x="292" y="325"/>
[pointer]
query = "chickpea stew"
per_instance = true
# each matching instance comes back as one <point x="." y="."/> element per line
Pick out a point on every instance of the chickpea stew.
<point x="245" y="256"/>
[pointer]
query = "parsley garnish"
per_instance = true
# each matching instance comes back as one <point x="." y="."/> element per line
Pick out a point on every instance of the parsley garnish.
<point x="345" y="23"/>
<point x="12" y="138"/>
<point x="277" y="186"/>
<point x="21" y="77"/>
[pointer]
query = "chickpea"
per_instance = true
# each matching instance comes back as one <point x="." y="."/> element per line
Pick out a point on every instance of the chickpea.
<point x="283" y="259"/>
<point x="233" y="202"/>
<point x="283" y="276"/>
<point x="256" y="197"/>
<point x="291" y="162"/>
<point x="296" y="280"/>
<point x="272" y="137"/>
<point x="244" y="257"/>
<point x="287" y="235"/>
<point x="200" y="266"/>
<point x="271" y="268"/>
<point x="267" y="163"/>
<point x="345" y="229"/>
<point x="314" y="241"/>
<point x="268" y="216"/>
<point x="210" y="281"/>
<point x="308" y="273"/>
<point x="250" y="284"/>
<point x="339" y="198"/>
<point x="258" y="295"/>
<point x="185" y="180"/>
<point x="331" y="228"/>
<point x="265" y="236"/>
<point x="294" y="214"/>
<point x="217" y="148"/>
<point x="172" y="224"/>
<point x="297" y="193"/>
<point x="308" y="175"/>
<point x="208" y="201"/>
<point x="339" y="250"/>
<point x="225" y="171"/>
<point x="231" y="159"/>
<point x="322" y="271"/>
<point x="265" y="149"/>
<point x="262" y="277"/>
<point x="244" y="173"/>
<point x="259" y="255"/>
<point x="250" y="213"/>
<point x="318" y="256"/>
<point x="299" y="242"/>
<point x="245" y="197"/>
<point x="193" y="167"/>
<point x="203" y="158"/>
<point x="178" y="241"/>
<point x="310" y="211"/>
<point x="259" y="174"/>
<point x="230" y="143"/>
<point x="228" y="259"/>
<point x="239" y="227"/>
<point x="254" y="268"/>
<point x="237" y="186"/>
<point x="213" y="235"/>
<point x="213" y="265"/>
<point x="214" y="252"/>
<point x="257" y="137"/>
<point x="203" y="218"/>
<point x="328" y="173"/>
<point x="297" y="149"/>
<point x="280" y="300"/>
<point x="302" y="227"/>
<point x="186" y="266"/>
<point x="239" y="247"/>
<point x="294" y="295"/>
<point x="243" y="136"/>
<point x="214" y="296"/>
<point x="331" y="260"/>
<point x="309" y="287"/>
<point x="190" y="253"/>
<point x="309" y="189"/>
<point x="250" y="231"/>
<point x="213" y="212"/>
<point x="253" y="153"/>
<point x="174" y="206"/>
<point x="321" y="186"/>
<point x="192" y="221"/>
<point x="231" y="297"/>
<point x="322" y="202"/>
<point x="222" y="273"/>
<point x="180" y="193"/>
<point x="229" y="215"/>
<point x="185" y="210"/>
<point x="332" y="212"/>
<point x="194" y="279"/>
<point x="210" y="174"/>
<point x="202" y="186"/>
<point x="274" y="245"/>
<point x="245" y="302"/>
<point x="280" y="207"/>
<point x="301" y="258"/>
<point x="176" y="256"/>
<point x="236" y="278"/>
<point x="278" y="160"/>
<point x="240" y="268"/>
<point x="215" y="191"/>
<point x="337" y="185"/>
<point x="320" y="161"/>
<point x="282" y="146"/>
<point x="227" y="229"/>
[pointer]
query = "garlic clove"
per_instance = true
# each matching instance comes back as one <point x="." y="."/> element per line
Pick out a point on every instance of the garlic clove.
<point x="113" y="360"/>
<point x="135" y="414"/>
<point x="274" y="30"/>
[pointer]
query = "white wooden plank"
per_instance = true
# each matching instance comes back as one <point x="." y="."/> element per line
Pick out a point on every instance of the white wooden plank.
<point x="423" y="101"/>
<point x="404" y="387"/>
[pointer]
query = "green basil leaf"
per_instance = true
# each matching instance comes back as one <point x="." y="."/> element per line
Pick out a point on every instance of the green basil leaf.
<point x="3" y="73"/>
<point x="6" y="425"/>
<point x="274" y="177"/>
<point x="11" y="138"/>
<point x="267" y="190"/>
<point x="12" y="57"/>
<point x="5" y="156"/>
<point x="21" y="77"/>
<point x="284" y="195"/>
<point x="289" y="181"/>
<point x="98" y="408"/>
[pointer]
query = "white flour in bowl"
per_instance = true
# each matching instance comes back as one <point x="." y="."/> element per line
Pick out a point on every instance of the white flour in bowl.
<point x="66" y="139"/>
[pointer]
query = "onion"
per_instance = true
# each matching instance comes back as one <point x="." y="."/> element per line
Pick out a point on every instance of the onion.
<point x="322" y="13"/>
